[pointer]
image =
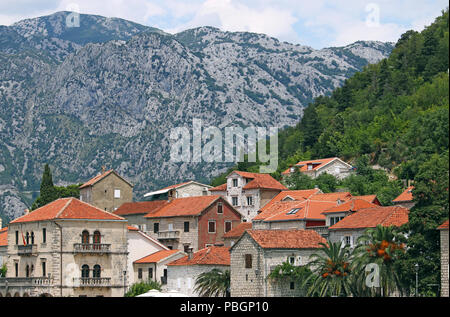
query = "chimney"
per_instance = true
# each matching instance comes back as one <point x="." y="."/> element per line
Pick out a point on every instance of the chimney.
<point x="27" y="211"/>
<point x="190" y="253"/>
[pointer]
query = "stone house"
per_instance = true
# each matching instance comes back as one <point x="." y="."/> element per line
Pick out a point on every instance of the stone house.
<point x="349" y="229"/>
<point x="405" y="199"/>
<point x="444" y="258"/>
<point x="134" y="212"/>
<point x="107" y="191"/>
<point x="234" y="234"/>
<point x="182" y="273"/>
<point x="313" y="168"/>
<point x="256" y="254"/>
<point x="248" y="192"/>
<point x="139" y="246"/>
<point x="192" y="222"/>
<point x="339" y="212"/>
<point x="186" y="189"/>
<point x="66" y="248"/>
<point x="154" y="266"/>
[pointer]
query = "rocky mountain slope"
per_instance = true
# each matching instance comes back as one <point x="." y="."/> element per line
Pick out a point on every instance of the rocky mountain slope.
<point x="108" y="93"/>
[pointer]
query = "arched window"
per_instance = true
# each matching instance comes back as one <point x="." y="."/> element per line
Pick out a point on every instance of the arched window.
<point x="27" y="271"/>
<point x="97" y="239"/>
<point x="27" y="239"/>
<point x="85" y="271"/>
<point x="32" y="237"/>
<point x="85" y="237"/>
<point x="97" y="271"/>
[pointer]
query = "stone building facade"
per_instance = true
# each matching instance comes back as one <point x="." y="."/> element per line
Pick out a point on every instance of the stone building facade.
<point x="66" y="248"/>
<point x="107" y="191"/>
<point x="192" y="222"/>
<point x="248" y="192"/>
<point x="444" y="259"/>
<point x="186" y="189"/>
<point x="258" y="252"/>
<point x="314" y="168"/>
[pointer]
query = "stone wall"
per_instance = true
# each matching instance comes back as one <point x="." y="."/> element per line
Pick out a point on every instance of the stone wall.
<point x="444" y="262"/>
<point x="103" y="193"/>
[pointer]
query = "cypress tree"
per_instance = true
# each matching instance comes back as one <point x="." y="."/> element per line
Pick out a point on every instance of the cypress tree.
<point x="48" y="191"/>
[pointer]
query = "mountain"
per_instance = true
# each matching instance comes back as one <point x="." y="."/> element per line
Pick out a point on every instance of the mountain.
<point x="109" y="91"/>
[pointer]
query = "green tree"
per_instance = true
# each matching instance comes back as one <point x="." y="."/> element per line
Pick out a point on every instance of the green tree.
<point x="286" y="272"/>
<point x="142" y="287"/>
<point x="331" y="267"/>
<point x="382" y="246"/>
<point x="214" y="283"/>
<point x="47" y="192"/>
<point x="3" y="270"/>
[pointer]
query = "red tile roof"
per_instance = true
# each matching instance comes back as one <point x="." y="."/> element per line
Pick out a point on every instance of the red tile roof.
<point x="4" y="237"/>
<point x="370" y="198"/>
<point x="443" y="226"/>
<point x="342" y="196"/>
<point x="67" y="208"/>
<point x="186" y="206"/>
<point x="287" y="239"/>
<point x="351" y="205"/>
<point x="141" y="207"/>
<point x="298" y="195"/>
<point x="131" y="228"/>
<point x="303" y="165"/>
<point x="371" y="217"/>
<point x="156" y="257"/>
<point x="405" y="196"/>
<point x="237" y="231"/>
<point x="99" y="177"/>
<point x="220" y="188"/>
<point x="213" y="255"/>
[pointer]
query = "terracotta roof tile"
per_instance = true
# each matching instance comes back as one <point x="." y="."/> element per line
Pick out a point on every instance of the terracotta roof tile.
<point x="97" y="178"/>
<point x="141" y="207"/>
<point x="237" y="231"/>
<point x="131" y="228"/>
<point x="4" y="237"/>
<point x="342" y="196"/>
<point x="264" y="181"/>
<point x="220" y="188"/>
<point x="213" y="255"/>
<point x="67" y="208"/>
<point x="297" y="195"/>
<point x="406" y="195"/>
<point x="371" y="217"/>
<point x="370" y="198"/>
<point x="176" y="185"/>
<point x="187" y="206"/>
<point x="444" y="225"/>
<point x="287" y="239"/>
<point x="156" y="257"/>
<point x="351" y="205"/>
<point x="303" y="165"/>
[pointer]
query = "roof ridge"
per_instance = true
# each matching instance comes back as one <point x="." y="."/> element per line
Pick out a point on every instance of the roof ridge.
<point x="63" y="208"/>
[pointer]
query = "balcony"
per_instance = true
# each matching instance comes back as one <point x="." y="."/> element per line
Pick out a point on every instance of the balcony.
<point x="91" y="248"/>
<point x="26" y="281"/>
<point x="169" y="235"/>
<point x="92" y="282"/>
<point x="27" y="250"/>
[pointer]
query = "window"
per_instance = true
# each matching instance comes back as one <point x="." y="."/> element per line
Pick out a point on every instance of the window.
<point x="291" y="260"/>
<point x="234" y="201"/>
<point x="97" y="271"/>
<point x="27" y="239"/>
<point x="348" y="240"/>
<point x="44" y="272"/>
<point x="186" y="226"/>
<point x="32" y="237"/>
<point x="292" y="285"/>
<point x="17" y="237"/>
<point x="249" y="200"/>
<point x="116" y="193"/>
<point x="156" y="227"/>
<point x="27" y="271"/>
<point x="140" y="273"/>
<point x="44" y="235"/>
<point x="16" y="267"/>
<point x="235" y="182"/>
<point x="97" y="238"/>
<point x="170" y="226"/>
<point x="85" y="237"/>
<point x="211" y="226"/>
<point x="220" y="208"/>
<point x="150" y="273"/>
<point x="248" y="261"/>
<point x="310" y="167"/>
<point x="189" y="283"/>
<point x="228" y="225"/>
<point x="293" y="211"/>
<point x="85" y="271"/>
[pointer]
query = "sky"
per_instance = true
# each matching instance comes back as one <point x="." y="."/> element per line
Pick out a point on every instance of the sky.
<point x="315" y="23"/>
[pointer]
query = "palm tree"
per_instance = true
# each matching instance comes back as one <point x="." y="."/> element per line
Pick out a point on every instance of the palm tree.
<point x="331" y="269"/>
<point x="380" y="247"/>
<point x="213" y="283"/>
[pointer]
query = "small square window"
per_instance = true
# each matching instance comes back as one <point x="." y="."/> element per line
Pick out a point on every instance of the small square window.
<point x="212" y="226"/>
<point x="116" y="193"/>
<point x="234" y="201"/>
<point x="235" y="182"/>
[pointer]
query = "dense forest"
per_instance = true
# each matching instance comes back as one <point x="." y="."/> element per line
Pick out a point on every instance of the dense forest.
<point x="393" y="114"/>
